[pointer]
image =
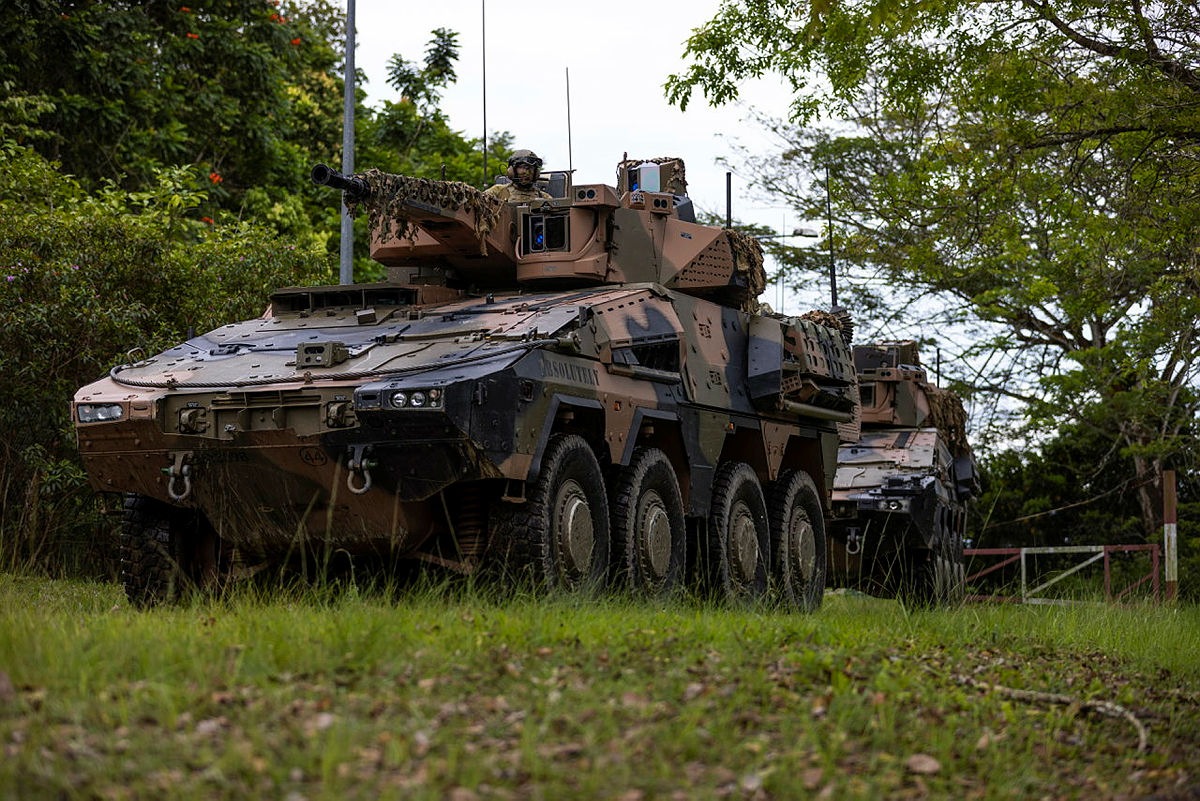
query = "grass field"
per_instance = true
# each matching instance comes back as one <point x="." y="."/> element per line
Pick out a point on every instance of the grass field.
<point x="446" y="692"/>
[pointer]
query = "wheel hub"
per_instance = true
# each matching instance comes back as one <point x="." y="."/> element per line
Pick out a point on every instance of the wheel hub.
<point x="655" y="533"/>
<point x="573" y="522"/>
<point x="802" y="546"/>
<point x="743" y="541"/>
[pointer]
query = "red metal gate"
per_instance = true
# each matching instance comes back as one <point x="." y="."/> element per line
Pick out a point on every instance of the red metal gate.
<point x="1090" y="553"/>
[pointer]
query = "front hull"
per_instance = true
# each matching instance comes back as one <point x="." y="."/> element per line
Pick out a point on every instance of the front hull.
<point x="267" y="492"/>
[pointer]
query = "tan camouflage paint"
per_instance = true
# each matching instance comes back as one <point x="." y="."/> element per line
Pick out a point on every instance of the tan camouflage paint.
<point x="268" y="431"/>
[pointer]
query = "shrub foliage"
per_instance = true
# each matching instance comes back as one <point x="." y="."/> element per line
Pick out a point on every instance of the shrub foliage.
<point x="84" y="279"/>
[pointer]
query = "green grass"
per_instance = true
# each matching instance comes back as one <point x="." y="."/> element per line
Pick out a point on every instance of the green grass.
<point x="448" y="692"/>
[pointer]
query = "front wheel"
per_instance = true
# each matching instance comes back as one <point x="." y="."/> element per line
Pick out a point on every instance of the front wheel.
<point x="797" y="540"/>
<point x="559" y="538"/>
<point x="166" y="552"/>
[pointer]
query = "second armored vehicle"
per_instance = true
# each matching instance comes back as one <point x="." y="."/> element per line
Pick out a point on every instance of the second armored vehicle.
<point x="571" y="391"/>
<point x="903" y="482"/>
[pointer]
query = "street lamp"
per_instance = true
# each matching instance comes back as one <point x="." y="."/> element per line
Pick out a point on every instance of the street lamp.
<point x="806" y="232"/>
<point x="346" y="259"/>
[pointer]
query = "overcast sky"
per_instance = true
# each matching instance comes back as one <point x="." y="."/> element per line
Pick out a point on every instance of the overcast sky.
<point x="617" y="53"/>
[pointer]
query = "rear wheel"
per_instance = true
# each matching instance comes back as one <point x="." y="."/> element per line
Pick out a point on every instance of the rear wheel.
<point x="166" y="552"/>
<point x="797" y="540"/>
<point x="649" y="534"/>
<point x="559" y="538"/>
<point x="739" y="536"/>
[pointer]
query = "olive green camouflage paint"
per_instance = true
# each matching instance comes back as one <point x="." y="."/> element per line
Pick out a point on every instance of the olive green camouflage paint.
<point x="383" y="417"/>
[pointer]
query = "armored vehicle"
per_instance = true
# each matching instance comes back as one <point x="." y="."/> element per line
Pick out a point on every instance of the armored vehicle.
<point x="573" y="391"/>
<point x="903" y="484"/>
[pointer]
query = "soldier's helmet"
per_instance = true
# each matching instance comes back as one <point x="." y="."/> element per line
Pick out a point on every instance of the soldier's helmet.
<point x="526" y="157"/>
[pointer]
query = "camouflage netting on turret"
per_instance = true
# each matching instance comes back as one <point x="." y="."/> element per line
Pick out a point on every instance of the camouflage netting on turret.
<point x="748" y="261"/>
<point x="389" y="216"/>
<point x="842" y="322"/>
<point x="839" y="320"/>
<point x="947" y="414"/>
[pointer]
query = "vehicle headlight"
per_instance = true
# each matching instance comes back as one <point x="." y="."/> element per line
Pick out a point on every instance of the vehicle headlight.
<point x="99" y="412"/>
<point x="416" y="399"/>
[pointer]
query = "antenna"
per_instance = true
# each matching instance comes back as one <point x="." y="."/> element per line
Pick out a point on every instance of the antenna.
<point x="570" y="159"/>
<point x="483" y="29"/>
<point x="728" y="199"/>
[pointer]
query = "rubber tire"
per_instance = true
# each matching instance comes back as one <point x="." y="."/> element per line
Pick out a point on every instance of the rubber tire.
<point x="646" y="497"/>
<point x="797" y="541"/>
<point x="528" y="539"/>
<point x="936" y="576"/>
<point x="158" y="563"/>
<point x="739" y="556"/>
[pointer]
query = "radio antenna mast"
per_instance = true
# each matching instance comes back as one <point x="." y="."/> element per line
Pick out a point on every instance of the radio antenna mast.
<point x="483" y="30"/>
<point x="570" y="155"/>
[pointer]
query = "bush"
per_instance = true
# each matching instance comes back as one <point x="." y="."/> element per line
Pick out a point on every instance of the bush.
<point x="84" y="279"/>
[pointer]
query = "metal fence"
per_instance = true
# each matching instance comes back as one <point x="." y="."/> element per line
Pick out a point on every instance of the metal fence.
<point x="1088" y="555"/>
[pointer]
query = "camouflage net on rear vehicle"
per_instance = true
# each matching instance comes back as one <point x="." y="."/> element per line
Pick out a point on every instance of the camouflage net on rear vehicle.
<point x="947" y="414"/>
<point x="388" y="215"/>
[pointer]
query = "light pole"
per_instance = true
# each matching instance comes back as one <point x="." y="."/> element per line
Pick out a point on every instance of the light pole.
<point x="829" y="229"/>
<point x="346" y="261"/>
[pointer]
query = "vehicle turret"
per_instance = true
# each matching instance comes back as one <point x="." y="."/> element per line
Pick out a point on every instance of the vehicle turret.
<point x="584" y="235"/>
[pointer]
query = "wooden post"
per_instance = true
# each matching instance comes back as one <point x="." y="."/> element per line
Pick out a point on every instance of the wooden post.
<point x="1170" y="534"/>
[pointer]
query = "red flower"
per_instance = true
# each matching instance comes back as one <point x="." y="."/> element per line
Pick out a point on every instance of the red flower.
<point x="193" y="35"/>
<point x="274" y="17"/>
<point x="215" y="177"/>
<point x="184" y="10"/>
<point x="296" y="41"/>
<point x="208" y="220"/>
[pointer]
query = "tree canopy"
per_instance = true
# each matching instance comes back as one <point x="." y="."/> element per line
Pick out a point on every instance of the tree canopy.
<point x="1030" y="163"/>
<point x="249" y="92"/>
<point x="112" y="91"/>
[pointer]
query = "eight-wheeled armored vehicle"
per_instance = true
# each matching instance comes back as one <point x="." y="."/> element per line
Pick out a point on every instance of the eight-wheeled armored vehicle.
<point x="903" y="484"/>
<point x="572" y="391"/>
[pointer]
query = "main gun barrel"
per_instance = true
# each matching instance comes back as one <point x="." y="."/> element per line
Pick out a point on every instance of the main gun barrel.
<point x="327" y="176"/>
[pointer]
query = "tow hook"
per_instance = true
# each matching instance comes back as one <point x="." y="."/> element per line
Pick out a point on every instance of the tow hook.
<point x="358" y="465"/>
<point x="853" y="542"/>
<point x="179" y="476"/>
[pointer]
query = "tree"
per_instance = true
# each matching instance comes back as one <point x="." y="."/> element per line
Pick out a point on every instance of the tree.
<point x="114" y="91"/>
<point x="186" y="135"/>
<point x="1031" y="163"/>
<point x="248" y="91"/>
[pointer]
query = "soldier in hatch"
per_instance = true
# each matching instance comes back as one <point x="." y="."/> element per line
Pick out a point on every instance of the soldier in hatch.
<point x="524" y="167"/>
